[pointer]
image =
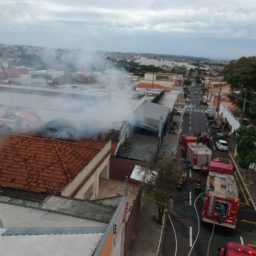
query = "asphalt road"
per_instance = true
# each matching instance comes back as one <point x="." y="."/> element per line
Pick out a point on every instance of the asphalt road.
<point x="183" y="213"/>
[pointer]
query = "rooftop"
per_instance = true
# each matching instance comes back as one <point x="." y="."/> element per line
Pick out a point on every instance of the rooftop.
<point x="148" y="115"/>
<point x="41" y="245"/>
<point x="43" y="165"/>
<point x="112" y="188"/>
<point x="222" y="185"/>
<point x="139" y="147"/>
<point x="152" y="86"/>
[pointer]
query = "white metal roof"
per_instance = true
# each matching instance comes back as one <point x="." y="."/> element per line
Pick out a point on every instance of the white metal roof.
<point x="199" y="149"/>
<point x="54" y="245"/>
<point x="222" y="185"/>
<point x="142" y="174"/>
<point x="19" y="217"/>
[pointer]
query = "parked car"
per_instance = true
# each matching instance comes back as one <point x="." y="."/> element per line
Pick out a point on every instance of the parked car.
<point x="219" y="136"/>
<point x="210" y="113"/>
<point x="222" y="145"/>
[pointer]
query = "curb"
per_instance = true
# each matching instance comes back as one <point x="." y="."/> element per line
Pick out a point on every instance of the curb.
<point x="240" y="176"/>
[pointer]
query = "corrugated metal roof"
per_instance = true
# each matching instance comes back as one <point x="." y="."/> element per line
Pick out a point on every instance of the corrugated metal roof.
<point x="22" y="217"/>
<point x="148" y="115"/>
<point x="54" y="245"/>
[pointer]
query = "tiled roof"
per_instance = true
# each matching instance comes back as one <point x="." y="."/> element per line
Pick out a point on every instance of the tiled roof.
<point x="43" y="165"/>
<point x="153" y="86"/>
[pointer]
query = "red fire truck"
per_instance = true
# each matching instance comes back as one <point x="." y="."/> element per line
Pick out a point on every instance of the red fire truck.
<point x="235" y="249"/>
<point x="198" y="156"/>
<point x="186" y="139"/>
<point x="221" y="165"/>
<point x="221" y="202"/>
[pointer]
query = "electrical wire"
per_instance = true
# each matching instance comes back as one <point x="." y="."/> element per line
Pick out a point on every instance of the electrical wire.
<point x="198" y="224"/>
<point x="175" y="236"/>
<point x="210" y="240"/>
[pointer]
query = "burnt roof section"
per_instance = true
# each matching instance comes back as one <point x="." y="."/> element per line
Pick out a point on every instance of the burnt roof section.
<point x="139" y="147"/>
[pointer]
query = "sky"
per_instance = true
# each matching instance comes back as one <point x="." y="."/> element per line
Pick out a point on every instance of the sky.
<point x="204" y="28"/>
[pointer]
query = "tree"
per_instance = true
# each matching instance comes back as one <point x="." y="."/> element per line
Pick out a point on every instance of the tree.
<point x="241" y="75"/>
<point x="246" y="145"/>
<point x="161" y="186"/>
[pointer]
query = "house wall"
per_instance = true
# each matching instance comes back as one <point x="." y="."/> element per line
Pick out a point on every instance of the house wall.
<point x="107" y="247"/>
<point x="112" y="242"/>
<point x="131" y="224"/>
<point x="121" y="168"/>
<point x="230" y="117"/>
<point x="90" y="174"/>
<point x="94" y="181"/>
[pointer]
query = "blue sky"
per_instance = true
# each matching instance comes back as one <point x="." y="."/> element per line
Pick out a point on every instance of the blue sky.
<point x="213" y="28"/>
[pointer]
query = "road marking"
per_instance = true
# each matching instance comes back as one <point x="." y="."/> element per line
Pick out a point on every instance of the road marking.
<point x="249" y="221"/>
<point x="190" y="128"/>
<point x="190" y="174"/>
<point x="241" y="240"/>
<point x="190" y="198"/>
<point x="190" y="236"/>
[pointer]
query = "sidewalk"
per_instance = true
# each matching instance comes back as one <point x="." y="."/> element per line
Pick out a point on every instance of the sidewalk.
<point x="249" y="176"/>
<point x="148" y="232"/>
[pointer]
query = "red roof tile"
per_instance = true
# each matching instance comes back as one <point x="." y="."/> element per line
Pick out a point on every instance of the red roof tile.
<point x="43" y="165"/>
<point x="153" y="86"/>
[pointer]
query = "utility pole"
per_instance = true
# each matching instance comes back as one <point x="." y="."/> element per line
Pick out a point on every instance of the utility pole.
<point x="153" y="78"/>
<point x="218" y="105"/>
<point x="243" y="110"/>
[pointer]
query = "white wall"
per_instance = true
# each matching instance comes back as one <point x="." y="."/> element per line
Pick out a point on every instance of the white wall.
<point x="230" y="117"/>
<point x="103" y="156"/>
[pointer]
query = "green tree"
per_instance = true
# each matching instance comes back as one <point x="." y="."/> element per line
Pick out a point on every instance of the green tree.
<point x="246" y="145"/>
<point x="187" y="82"/>
<point x="161" y="187"/>
<point x="241" y="74"/>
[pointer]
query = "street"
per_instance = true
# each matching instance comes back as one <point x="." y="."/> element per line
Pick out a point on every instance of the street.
<point x="187" y="226"/>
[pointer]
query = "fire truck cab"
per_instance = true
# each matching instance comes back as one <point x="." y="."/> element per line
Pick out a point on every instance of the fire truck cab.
<point x="235" y="249"/>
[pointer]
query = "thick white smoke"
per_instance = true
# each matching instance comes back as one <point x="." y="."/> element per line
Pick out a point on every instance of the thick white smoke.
<point x="92" y="108"/>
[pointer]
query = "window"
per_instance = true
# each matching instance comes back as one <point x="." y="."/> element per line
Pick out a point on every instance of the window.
<point x="221" y="208"/>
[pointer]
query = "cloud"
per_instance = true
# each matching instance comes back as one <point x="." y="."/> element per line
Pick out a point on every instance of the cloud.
<point x="211" y="17"/>
<point x="90" y="21"/>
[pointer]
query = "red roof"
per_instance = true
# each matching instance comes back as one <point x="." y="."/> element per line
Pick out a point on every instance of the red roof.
<point x="153" y="86"/>
<point x="43" y="165"/>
